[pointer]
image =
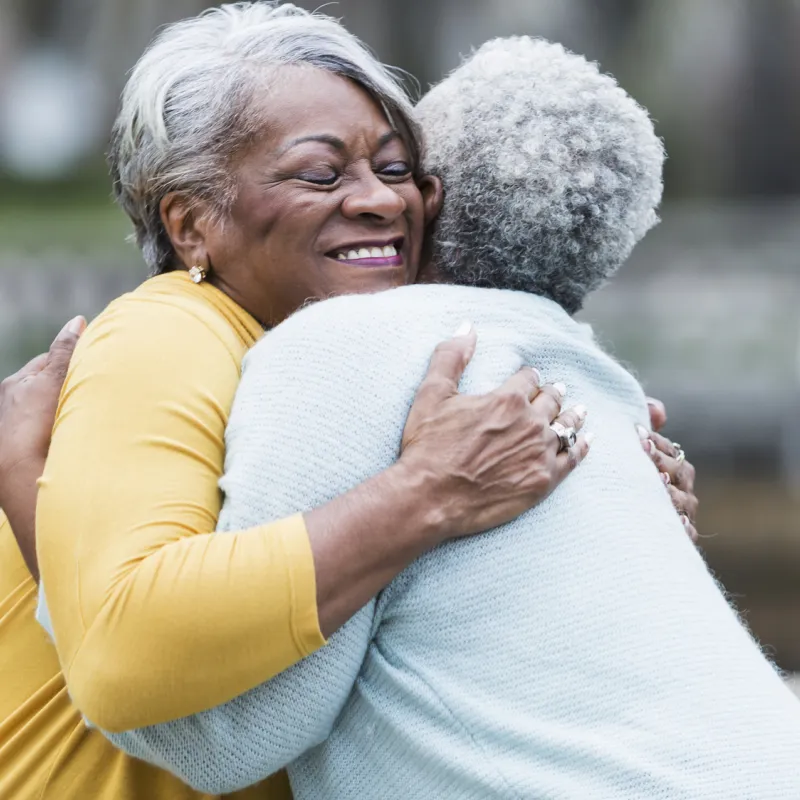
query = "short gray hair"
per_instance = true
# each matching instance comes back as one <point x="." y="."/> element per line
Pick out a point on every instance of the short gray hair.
<point x="188" y="107"/>
<point x="552" y="173"/>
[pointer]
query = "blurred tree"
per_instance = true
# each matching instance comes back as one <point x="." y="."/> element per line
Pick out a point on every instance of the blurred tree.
<point x="766" y="129"/>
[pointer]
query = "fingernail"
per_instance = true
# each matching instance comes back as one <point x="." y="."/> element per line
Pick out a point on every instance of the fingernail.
<point x="538" y="375"/>
<point x="665" y="477"/>
<point x="75" y="326"/>
<point x="463" y="329"/>
<point x="686" y="522"/>
<point x="590" y="437"/>
<point x="580" y="412"/>
<point x="561" y="389"/>
<point x="648" y="446"/>
<point x="644" y="434"/>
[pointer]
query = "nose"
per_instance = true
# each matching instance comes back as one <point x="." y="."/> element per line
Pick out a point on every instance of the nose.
<point x="370" y="197"/>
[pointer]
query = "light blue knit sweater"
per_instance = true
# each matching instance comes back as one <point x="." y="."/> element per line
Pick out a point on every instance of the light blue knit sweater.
<point x="582" y="651"/>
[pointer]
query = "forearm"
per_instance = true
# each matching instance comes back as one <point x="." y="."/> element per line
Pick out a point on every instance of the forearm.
<point x="228" y="611"/>
<point x="364" y="538"/>
<point x="241" y="742"/>
<point x="19" y="504"/>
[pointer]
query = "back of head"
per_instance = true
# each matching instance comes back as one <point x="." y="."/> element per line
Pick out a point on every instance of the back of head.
<point x="552" y="172"/>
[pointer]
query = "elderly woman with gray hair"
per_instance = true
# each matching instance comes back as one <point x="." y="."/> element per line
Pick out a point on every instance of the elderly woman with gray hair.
<point x="582" y="650"/>
<point x="260" y="151"/>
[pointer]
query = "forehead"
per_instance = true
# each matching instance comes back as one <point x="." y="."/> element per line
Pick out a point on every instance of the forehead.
<point x="304" y="101"/>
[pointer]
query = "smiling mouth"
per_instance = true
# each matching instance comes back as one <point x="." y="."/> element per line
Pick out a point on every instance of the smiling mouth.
<point x="372" y="254"/>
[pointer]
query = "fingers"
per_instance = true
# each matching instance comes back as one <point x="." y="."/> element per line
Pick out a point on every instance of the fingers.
<point x="447" y="365"/>
<point x="690" y="529"/>
<point x="573" y="417"/>
<point x="568" y="460"/>
<point x="526" y="382"/>
<point x="663" y="445"/>
<point x="658" y="414"/>
<point x="685" y="502"/>
<point x="33" y="367"/>
<point x="663" y="454"/>
<point x="61" y="350"/>
<point x="548" y="401"/>
<point x="678" y="477"/>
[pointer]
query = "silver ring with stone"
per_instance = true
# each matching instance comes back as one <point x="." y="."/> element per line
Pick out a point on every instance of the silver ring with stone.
<point x="566" y="436"/>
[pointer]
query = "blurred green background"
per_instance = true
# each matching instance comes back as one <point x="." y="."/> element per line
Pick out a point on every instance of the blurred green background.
<point x="705" y="312"/>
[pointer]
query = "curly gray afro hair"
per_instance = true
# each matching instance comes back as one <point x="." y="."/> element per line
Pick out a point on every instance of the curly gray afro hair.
<point x="552" y="173"/>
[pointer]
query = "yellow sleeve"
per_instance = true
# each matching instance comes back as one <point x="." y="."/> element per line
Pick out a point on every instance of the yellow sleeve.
<point x="155" y="616"/>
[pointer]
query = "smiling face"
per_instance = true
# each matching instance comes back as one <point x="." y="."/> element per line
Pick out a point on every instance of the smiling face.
<point x="327" y="203"/>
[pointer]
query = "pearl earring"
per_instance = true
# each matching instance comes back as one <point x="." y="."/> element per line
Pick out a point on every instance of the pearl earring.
<point x="198" y="274"/>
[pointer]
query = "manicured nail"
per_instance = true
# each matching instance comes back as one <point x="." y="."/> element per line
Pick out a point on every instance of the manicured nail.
<point x="686" y="521"/>
<point x="561" y="389"/>
<point x="75" y="326"/>
<point x="590" y="437"/>
<point x="644" y="434"/>
<point x="665" y="477"/>
<point x="463" y="329"/>
<point x="580" y="412"/>
<point x="648" y="446"/>
<point x="537" y="374"/>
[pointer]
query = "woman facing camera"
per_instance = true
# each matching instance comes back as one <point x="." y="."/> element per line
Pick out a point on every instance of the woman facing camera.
<point x="582" y="650"/>
<point x="255" y="144"/>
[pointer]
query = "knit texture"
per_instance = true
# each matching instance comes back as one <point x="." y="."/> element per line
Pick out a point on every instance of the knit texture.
<point x="581" y="651"/>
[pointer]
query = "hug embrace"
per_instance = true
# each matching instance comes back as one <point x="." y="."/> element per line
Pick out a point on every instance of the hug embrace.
<point x="329" y="549"/>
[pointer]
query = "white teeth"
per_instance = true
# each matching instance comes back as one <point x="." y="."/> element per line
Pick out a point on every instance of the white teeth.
<point x="389" y="251"/>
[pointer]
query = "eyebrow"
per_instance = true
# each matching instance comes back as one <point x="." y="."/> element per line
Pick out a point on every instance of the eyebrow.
<point x="334" y="141"/>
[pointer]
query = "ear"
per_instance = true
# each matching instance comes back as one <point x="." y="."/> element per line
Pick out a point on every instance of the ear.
<point x="432" y="197"/>
<point x="187" y="226"/>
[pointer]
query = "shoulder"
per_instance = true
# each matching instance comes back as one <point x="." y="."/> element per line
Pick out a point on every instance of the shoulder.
<point x="160" y="341"/>
<point x="396" y="313"/>
<point x="167" y="318"/>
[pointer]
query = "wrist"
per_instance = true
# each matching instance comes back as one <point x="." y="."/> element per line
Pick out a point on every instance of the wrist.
<point x="418" y="503"/>
<point x="20" y="479"/>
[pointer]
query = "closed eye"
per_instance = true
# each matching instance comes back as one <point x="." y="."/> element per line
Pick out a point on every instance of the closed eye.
<point x="397" y="169"/>
<point x="319" y="178"/>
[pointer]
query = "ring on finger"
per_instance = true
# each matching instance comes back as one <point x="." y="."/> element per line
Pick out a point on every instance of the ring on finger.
<point x="566" y="436"/>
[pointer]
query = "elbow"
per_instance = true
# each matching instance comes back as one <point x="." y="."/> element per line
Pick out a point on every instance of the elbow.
<point x="214" y="786"/>
<point x="206" y="763"/>
<point x="103" y="698"/>
<point x="113" y="692"/>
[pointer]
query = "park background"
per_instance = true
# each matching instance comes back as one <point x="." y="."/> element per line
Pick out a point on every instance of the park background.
<point x="705" y="312"/>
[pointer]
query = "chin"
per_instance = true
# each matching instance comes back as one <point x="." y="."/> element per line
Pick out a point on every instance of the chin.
<point x="365" y="281"/>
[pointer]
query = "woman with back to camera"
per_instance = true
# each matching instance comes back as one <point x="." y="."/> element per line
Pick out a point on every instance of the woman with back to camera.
<point x="582" y="650"/>
<point x="131" y="489"/>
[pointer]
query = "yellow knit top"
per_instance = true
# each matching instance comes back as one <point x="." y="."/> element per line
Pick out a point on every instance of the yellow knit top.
<point x="155" y="616"/>
<point x="46" y="750"/>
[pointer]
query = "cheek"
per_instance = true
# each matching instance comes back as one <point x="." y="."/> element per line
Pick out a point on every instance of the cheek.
<point x="415" y="213"/>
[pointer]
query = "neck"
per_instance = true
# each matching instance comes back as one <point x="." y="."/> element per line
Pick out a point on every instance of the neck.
<point x="429" y="273"/>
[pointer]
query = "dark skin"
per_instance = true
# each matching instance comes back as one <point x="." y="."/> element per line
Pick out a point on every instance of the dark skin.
<point x="28" y="401"/>
<point x="328" y="176"/>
